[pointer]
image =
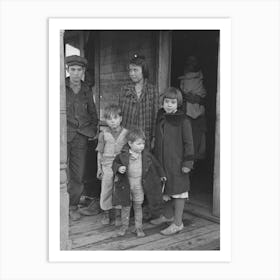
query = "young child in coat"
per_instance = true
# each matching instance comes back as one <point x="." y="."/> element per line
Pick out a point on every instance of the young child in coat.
<point x="174" y="150"/>
<point x="110" y="142"/>
<point x="137" y="173"/>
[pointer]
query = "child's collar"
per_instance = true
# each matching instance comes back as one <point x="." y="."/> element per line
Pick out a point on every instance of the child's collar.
<point x="117" y="130"/>
<point x="133" y="154"/>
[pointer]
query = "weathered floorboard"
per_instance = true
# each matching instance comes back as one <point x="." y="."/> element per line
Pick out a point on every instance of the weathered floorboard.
<point x="130" y="241"/>
<point x="198" y="234"/>
<point x="177" y="240"/>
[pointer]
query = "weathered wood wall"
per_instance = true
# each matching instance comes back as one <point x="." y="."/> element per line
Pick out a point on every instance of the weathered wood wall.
<point x="64" y="198"/>
<point x="115" y="49"/>
<point x="164" y="60"/>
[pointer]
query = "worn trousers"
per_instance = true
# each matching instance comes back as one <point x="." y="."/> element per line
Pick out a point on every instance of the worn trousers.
<point x="138" y="215"/>
<point x="76" y="159"/>
<point x="106" y="187"/>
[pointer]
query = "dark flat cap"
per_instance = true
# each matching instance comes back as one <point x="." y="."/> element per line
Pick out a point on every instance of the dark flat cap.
<point x="75" y="60"/>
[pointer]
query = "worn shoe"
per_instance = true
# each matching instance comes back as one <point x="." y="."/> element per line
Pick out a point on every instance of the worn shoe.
<point x="140" y="232"/>
<point x="74" y="213"/>
<point x="162" y="219"/>
<point x="122" y="231"/>
<point x="172" y="229"/>
<point x="106" y="218"/>
<point x="92" y="209"/>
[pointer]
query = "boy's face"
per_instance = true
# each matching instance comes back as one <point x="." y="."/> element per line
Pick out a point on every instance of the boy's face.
<point x="137" y="146"/>
<point x="170" y="105"/>
<point x="135" y="73"/>
<point x="76" y="73"/>
<point x="114" y="121"/>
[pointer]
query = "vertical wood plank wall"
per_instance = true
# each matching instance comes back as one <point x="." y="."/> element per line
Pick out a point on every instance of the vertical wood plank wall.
<point x="164" y="60"/>
<point x="64" y="199"/>
<point x="116" y="48"/>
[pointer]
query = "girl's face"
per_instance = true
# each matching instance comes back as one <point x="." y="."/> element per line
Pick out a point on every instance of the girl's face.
<point x="135" y="73"/>
<point x="114" y="122"/>
<point x="137" y="146"/>
<point x="170" y="105"/>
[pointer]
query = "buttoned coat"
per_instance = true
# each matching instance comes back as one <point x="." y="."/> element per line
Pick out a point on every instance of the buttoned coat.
<point x="152" y="173"/>
<point x="81" y="112"/>
<point x="174" y="149"/>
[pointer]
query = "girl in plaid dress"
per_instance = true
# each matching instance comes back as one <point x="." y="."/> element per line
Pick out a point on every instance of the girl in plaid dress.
<point x="139" y="100"/>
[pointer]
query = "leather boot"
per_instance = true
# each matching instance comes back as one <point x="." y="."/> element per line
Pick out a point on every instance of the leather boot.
<point x="92" y="209"/>
<point x="74" y="213"/>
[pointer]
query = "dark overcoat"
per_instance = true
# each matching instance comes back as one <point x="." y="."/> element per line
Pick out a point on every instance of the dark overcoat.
<point x="152" y="173"/>
<point x="81" y="112"/>
<point x="174" y="149"/>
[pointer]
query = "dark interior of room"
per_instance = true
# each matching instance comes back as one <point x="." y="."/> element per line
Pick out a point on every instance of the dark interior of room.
<point x="204" y="45"/>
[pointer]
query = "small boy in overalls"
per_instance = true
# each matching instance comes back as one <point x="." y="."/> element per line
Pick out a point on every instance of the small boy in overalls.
<point x="110" y="142"/>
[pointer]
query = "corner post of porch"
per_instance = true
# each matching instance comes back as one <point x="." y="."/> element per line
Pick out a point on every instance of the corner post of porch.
<point x="65" y="243"/>
<point x="216" y="187"/>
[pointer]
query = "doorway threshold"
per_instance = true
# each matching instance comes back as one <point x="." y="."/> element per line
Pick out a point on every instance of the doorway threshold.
<point x="196" y="208"/>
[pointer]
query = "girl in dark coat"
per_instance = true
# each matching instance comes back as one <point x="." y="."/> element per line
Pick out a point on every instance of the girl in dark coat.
<point x="137" y="173"/>
<point x="174" y="150"/>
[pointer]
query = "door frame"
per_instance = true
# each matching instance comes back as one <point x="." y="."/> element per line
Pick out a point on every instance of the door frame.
<point x="163" y="81"/>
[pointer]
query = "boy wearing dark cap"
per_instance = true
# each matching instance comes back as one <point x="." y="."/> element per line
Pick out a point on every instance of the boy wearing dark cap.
<point x="82" y="124"/>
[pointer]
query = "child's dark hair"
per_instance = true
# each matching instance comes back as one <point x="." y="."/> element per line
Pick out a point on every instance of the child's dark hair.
<point x="112" y="110"/>
<point x="134" y="134"/>
<point x="139" y="60"/>
<point x="173" y="93"/>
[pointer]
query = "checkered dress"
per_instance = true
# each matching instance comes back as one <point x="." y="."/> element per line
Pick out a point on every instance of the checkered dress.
<point x="140" y="112"/>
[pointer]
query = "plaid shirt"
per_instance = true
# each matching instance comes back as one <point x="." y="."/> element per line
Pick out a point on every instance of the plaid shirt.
<point x="140" y="112"/>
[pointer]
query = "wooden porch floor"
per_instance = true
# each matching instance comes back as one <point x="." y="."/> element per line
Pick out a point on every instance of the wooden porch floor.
<point x="199" y="234"/>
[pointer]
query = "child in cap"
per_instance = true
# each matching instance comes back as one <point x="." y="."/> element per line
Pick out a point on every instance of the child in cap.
<point x="82" y="124"/>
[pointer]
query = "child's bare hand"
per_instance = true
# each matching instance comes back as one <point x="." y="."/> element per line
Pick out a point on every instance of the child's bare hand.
<point x="122" y="169"/>
<point x="185" y="169"/>
<point x="99" y="174"/>
<point x="166" y="197"/>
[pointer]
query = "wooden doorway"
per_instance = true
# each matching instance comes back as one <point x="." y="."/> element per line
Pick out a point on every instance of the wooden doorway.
<point x="204" y="45"/>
